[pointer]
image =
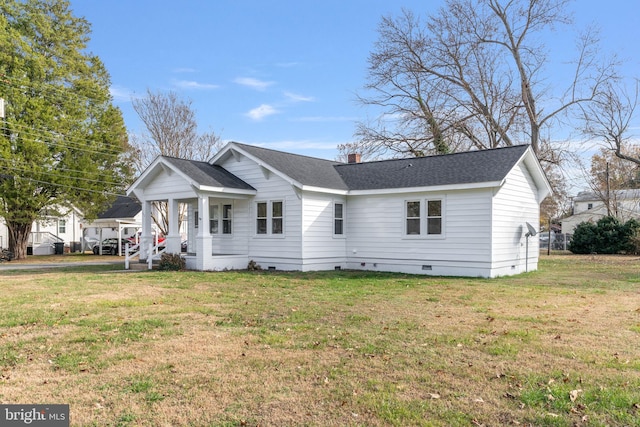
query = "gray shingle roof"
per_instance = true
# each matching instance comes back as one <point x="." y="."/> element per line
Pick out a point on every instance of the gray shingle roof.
<point x="451" y="169"/>
<point x="122" y="207"/>
<point x="208" y="175"/>
<point x="305" y="170"/>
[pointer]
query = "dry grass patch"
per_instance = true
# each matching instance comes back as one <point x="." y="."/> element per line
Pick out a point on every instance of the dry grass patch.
<point x="554" y="347"/>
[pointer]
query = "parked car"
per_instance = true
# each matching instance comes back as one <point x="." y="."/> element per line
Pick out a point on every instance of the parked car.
<point x="134" y="239"/>
<point x="110" y="246"/>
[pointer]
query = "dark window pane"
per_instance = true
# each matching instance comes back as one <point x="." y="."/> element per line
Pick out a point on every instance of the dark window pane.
<point x="338" y="210"/>
<point x="276" y="209"/>
<point x="434" y="208"/>
<point x="261" y="226"/>
<point x="276" y="226"/>
<point x="413" y="226"/>
<point x="413" y="209"/>
<point x="434" y="226"/>
<point x="262" y="210"/>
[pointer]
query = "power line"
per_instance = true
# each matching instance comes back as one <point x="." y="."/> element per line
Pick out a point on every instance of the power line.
<point x="98" y="181"/>
<point x="68" y="186"/>
<point x="72" y="143"/>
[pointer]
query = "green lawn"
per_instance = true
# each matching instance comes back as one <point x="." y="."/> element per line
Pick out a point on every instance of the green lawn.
<point x="557" y="347"/>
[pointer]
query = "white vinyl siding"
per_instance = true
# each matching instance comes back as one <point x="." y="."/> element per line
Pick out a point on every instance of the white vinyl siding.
<point x="512" y="209"/>
<point x="320" y="244"/>
<point x="270" y="187"/>
<point x="466" y="218"/>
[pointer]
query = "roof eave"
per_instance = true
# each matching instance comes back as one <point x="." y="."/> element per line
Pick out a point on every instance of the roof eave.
<point x="313" y="189"/>
<point x="430" y="188"/>
<point x="225" y="190"/>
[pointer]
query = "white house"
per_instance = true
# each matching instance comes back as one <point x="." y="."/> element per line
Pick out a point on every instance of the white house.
<point x="589" y="206"/>
<point x="459" y="214"/>
<point x="56" y="226"/>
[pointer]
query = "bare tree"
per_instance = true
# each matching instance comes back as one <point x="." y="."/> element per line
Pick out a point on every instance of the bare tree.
<point x="172" y="131"/>
<point x="607" y="120"/>
<point x="474" y="75"/>
<point x="172" y="128"/>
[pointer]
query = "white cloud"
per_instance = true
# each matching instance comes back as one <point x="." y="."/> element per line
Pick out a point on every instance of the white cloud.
<point x="190" y="84"/>
<point x="121" y="94"/>
<point x="253" y="83"/>
<point x="262" y="111"/>
<point x="294" y="97"/>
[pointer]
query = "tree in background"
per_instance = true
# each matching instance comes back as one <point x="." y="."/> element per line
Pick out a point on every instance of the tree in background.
<point x="611" y="173"/>
<point x="172" y="131"/>
<point x="62" y="140"/>
<point x="607" y="120"/>
<point x="608" y="236"/>
<point x="475" y="74"/>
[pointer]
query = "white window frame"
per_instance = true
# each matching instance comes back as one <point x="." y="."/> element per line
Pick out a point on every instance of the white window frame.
<point x="62" y="226"/>
<point x="214" y="219"/>
<point x="275" y="218"/>
<point x="269" y="218"/>
<point x="226" y="220"/>
<point x="264" y="218"/>
<point x="429" y="217"/>
<point x="341" y="219"/>
<point x="406" y="218"/>
<point x="423" y="219"/>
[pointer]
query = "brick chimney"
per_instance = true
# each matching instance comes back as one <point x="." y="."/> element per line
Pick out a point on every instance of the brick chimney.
<point x="354" y="158"/>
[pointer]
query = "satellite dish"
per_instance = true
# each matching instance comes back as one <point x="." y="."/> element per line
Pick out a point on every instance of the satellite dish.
<point x="532" y="231"/>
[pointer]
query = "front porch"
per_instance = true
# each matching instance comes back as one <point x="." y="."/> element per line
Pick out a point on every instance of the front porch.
<point x="209" y="232"/>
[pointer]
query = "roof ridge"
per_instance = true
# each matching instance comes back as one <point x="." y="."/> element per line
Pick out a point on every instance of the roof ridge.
<point x="251" y="146"/>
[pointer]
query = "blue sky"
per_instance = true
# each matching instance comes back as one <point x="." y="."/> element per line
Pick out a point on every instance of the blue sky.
<point x="281" y="74"/>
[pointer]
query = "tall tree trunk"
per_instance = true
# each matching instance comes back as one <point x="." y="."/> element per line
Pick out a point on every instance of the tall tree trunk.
<point x="18" y="238"/>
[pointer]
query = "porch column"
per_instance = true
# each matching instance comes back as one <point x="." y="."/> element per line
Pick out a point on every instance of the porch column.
<point x="203" y="237"/>
<point x="172" y="241"/>
<point x="146" y="237"/>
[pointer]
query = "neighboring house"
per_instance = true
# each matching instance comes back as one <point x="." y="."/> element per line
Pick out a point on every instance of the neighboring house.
<point x="589" y="206"/>
<point x="122" y="219"/>
<point x="459" y="214"/>
<point x="56" y="226"/>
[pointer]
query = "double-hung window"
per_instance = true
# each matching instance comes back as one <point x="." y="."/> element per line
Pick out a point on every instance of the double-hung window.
<point x="338" y="219"/>
<point x="434" y="216"/>
<point x="261" y="218"/>
<point x="413" y="218"/>
<point x="424" y="217"/>
<point x="227" y="218"/>
<point x="62" y="226"/>
<point x="276" y="217"/>
<point x="270" y="217"/>
<point x="214" y="219"/>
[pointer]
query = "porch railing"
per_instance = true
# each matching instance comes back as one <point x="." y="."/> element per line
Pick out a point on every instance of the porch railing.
<point x="132" y="251"/>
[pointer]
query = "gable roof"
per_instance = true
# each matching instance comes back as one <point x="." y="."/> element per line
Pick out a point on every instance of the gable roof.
<point x="207" y="174"/>
<point x="309" y="171"/>
<point x="463" y="170"/>
<point x="122" y="207"/>
<point x="591" y="196"/>
<point x="466" y="168"/>
<point x="470" y="167"/>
